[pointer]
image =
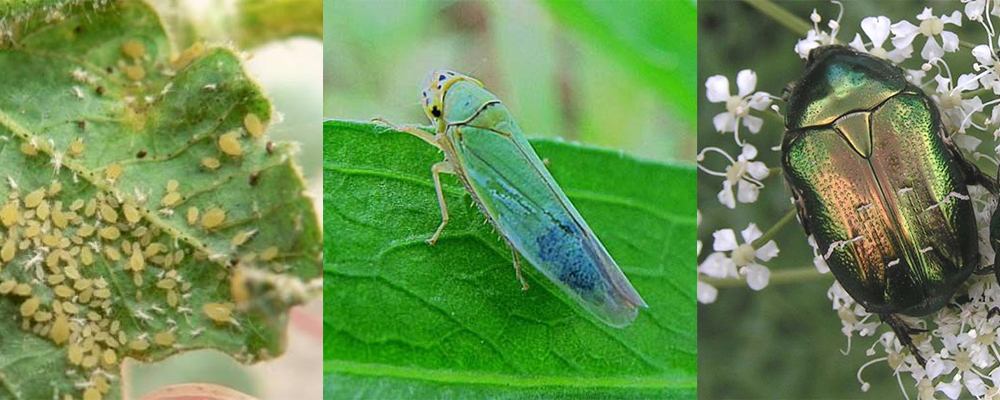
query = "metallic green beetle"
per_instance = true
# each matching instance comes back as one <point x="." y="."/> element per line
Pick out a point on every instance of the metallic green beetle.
<point x="484" y="147"/>
<point x="879" y="185"/>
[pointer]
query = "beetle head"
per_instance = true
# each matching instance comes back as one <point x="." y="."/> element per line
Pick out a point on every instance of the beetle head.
<point x="435" y="88"/>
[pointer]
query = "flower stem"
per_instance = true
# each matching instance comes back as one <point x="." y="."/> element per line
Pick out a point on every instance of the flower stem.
<point x="784" y="276"/>
<point x="780" y="15"/>
<point x="789" y="217"/>
<point x="773" y="171"/>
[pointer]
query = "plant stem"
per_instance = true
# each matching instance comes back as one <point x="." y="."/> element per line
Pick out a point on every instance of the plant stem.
<point x="789" y="216"/>
<point x="781" y="277"/>
<point x="780" y="15"/>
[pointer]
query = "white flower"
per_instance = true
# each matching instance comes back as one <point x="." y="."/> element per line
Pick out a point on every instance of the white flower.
<point x="816" y="37"/>
<point x="738" y="106"/>
<point x="706" y="293"/>
<point x="745" y="174"/>
<point x="930" y="26"/>
<point x="956" y="111"/>
<point x="744" y="256"/>
<point x="974" y="9"/>
<point x="989" y="78"/>
<point x="718" y="265"/>
<point x="877" y="29"/>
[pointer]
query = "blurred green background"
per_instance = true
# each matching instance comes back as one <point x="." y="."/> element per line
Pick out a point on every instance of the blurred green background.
<point x="783" y="342"/>
<point x="589" y="71"/>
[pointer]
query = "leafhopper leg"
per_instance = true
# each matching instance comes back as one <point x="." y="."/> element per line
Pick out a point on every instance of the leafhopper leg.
<point x="413" y="130"/>
<point x="436" y="170"/>
<point x="517" y="269"/>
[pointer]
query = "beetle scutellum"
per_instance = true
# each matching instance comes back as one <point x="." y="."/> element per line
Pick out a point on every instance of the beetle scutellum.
<point x="879" y="185"/>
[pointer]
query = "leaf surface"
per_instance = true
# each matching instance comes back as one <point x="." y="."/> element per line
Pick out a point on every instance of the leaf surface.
<point x="106" y="141"/>
<point x="405" y="319"/>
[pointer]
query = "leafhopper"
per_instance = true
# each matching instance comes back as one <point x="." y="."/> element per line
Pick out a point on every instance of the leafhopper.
<point x="485" y="148"/>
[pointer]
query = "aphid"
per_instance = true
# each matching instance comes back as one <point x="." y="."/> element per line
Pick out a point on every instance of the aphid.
<point x="269" y="253"/>
<point x="229" y="143"/>
<point x="29" y="307"/>
<point x="253" y="125"/>
<point x="210" y="163"/>
<point x="213" y="218"/>
<point x="10" y="214"/>
<point x="485" y="148"/>
<point x="131" y="213"/>
<point x="29" y="149"/>
<point x="113" y="172"/>
<point x="134" y="72"/>
<point x="189" y="54"/>
<point x="192" y="215"/>
<point x="218" y="312"/>
<point x="134" y="48"/>
<point x="141" y="154"/>
<point x="60" y="330"/>
<point x="76" y="147"/>
<point x="170" y="199"/>
<point x="34" y="198"/>
<point x="254" y="178"/>
<point x="165" y="338"/>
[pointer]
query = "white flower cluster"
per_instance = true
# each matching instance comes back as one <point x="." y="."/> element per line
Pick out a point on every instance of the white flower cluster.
<point x="960" y="342"/>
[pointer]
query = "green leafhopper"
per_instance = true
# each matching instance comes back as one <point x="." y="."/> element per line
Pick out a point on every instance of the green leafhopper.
<point x="484" y="147"/>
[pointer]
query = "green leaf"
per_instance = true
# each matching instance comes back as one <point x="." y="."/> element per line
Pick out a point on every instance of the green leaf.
<point x="261" y="21"/>
<point x="657" y="40"/>
<point x="103" y="137"/>
<point x="405" y="319"/>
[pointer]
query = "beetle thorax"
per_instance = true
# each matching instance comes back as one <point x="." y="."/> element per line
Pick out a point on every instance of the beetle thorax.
<point x="743" y="255"/>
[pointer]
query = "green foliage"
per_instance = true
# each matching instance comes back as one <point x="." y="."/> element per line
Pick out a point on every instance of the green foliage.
<point x="262" y="21"/>
<point x="655" y="39"/>
<point x="405" y="319"/>
<point x="97" y="119"/>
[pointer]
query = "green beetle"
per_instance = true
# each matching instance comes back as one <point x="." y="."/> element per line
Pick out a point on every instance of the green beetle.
<point x="879" y="185"/>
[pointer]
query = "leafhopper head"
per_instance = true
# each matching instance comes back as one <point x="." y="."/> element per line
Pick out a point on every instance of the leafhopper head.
<point x="435" y="88"/>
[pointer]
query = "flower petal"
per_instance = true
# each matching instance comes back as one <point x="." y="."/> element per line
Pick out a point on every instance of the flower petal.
<point x="717" y="89"/>
<point x="747" y="192"/>
<point x="707" y="293"/>
<point x="760" y="101"/>
<point x="746" y="81"/>
<point x="858" y="44"/>
<point x="725" y="240"/>
<point x="931" y="49"/>
<point x="768" y="251"/>
<point x="950" y="40"/>
<point x="955" y="18"/>
<point x="753" y="123"/>
<point x="758" y="170"/>
<point x="717" y="265"/>
<point x="749" y="152"/>
<point x="877" y="28"/>
<point x="726" y="196"/>
<point x="903" y="33"/>
<point x="757" y="276"/>
<point x="724" y="122"/>
<point x="751" y="233"/>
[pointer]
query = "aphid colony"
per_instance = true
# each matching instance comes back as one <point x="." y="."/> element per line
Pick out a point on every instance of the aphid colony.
<point x="60" y="250"/>
<point x="60" y="256"/>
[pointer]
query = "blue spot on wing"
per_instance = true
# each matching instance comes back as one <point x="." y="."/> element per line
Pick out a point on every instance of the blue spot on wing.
<point x="561" y="247"/>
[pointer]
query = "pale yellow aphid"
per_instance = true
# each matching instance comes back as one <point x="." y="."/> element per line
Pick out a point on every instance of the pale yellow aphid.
<point x="131" y="213"/>
<point x="137" y="262"/>
<point x="240" y="238"/>
<point x="110" y="359"/>
<point x="7" y="286"/>
<point x="91" y="393"/>
<point x="218" y="312"/>
<point x="10" y="214"/>
<point x="113" y="172"/>
<point x="192" y="215"/>
<point x="22" y="289"/>
<point x="213" y="218"/>
<point x="189" y="55"/>
<point x="134" y="72"/>
<point x="60" y="330"/>
<point x="165" y="338"/>
<point x="9" y="250"/>
<point x="172" y="185"/>
<point x="229" y="143"/>
<point x="29" y="149"/>
<point x="34" y="198"/>
<point x="75" y="353"/>
<point x="110" y="233"/>
<point x="76" y="147"/>
<point x="138" y="345"/>
<point x="43" y="210"/>
<point x="63" y="291"/>
<point x="210" y="163"/>
<point x="29" y="307"/>
<point x="253" y="125"/>
<point x="55" y="188"/>
<point x="170" y="199"/>
<point x="134" y="48"/>
<point x="108" y="213"/>
<point x="269" y="253"/>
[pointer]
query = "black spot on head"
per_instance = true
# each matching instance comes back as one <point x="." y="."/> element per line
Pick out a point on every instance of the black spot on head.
<point x="100" y="90"/>
<point x="141" y="154"/>
<point x="435" y="112"/>
<point x="442" y="77"/>
<point x="254" y="178"/>
<point x="109" y="69"/>
<point x="81" y="124"/>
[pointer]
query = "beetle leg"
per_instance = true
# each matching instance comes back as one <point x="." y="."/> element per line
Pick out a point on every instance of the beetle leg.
<point x="517" y="270"/>
<point x="436" y="170"/>
<point x="903" y="332"/>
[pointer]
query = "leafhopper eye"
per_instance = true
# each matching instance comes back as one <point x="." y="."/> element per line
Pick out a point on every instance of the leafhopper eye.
<point x="436" y="112"/>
